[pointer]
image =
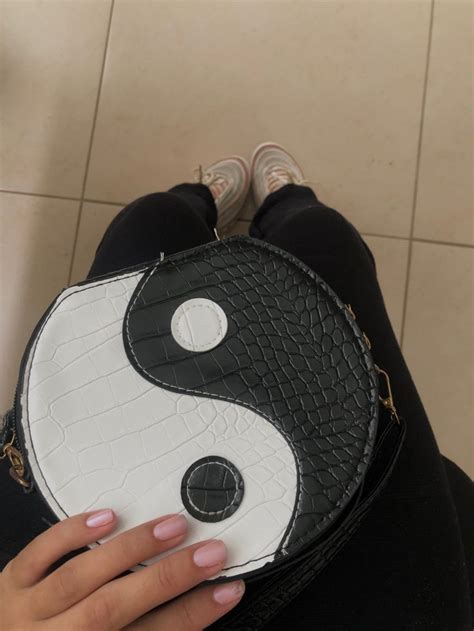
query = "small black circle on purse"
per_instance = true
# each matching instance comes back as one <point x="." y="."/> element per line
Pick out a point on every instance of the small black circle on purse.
<point x="212" y="489"/>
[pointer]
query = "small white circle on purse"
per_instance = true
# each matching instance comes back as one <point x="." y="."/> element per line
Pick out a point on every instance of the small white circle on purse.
<point x="199" y="324"/>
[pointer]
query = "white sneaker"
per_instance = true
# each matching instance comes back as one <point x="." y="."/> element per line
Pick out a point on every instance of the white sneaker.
<point x="229" y="182"/>
<point x="272" y="167"/>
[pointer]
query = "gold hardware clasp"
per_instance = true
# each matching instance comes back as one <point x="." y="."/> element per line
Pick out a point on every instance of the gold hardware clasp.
<point x="349" y="308"/>
<point x="387" y="401"/>
<point x="364" y="336"/>
<point x="6" y="446"/>
<point x="17" y="469"/>
<point x="367" y="341"/>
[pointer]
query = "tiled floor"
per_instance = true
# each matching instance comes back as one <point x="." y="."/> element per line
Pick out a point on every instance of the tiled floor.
<point x="103" y="101"/>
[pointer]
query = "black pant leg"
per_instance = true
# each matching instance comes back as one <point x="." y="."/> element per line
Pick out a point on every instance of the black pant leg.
<point x="462" y="491"/>
<point x="170" y="222"/>
<point x="405" y="568"/>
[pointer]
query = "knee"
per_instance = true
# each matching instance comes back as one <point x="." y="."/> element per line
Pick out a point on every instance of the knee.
<point x="325" y="231"/>
<point x="323" y="225"/>
<point x="159" y="208"/>
<point x="157" y="202"/>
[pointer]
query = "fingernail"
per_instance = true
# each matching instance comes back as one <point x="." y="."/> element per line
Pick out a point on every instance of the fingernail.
<point x="210" y="554"/>
<point x="171" y="527"/>
<point x="100" y="518"/>
<point x="229" y="592"/>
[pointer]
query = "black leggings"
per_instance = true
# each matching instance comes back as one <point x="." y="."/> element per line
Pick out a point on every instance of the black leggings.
<point x="408" y="566"/>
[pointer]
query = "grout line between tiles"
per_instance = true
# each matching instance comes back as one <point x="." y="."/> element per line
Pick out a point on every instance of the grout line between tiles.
<point x="91" y="140"/>
<point x="418" y="240"/>
<point x="450" y="243"/>
<point x="384" y="236"/>
<point x="63" y="197"/>
<point x="98" y="201"/>
<point x="417" y="172"/>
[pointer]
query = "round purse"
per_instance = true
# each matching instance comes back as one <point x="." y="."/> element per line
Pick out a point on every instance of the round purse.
<point x="228" y="383"/>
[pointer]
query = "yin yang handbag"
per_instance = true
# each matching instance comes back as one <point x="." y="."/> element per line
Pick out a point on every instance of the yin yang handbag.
<point x="228" y="383"/>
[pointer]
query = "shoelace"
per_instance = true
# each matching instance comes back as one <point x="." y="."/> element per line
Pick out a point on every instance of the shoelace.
<point x="214" y="181"/>
<point x="279" y="176"/>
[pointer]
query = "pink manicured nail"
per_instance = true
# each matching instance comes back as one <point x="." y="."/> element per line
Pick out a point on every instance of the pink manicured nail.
<point x="230" y="592"/>
<point x="210" y="554"/>
<point x="100" y="518"/>
<point x="171" y="527"/>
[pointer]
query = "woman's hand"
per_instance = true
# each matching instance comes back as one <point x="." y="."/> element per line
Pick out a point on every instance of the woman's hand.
<point x="84" y="592"/>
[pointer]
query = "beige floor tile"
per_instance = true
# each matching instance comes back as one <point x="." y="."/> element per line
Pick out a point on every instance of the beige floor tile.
<point x="438" y="344"/>
<point x="50" y="62"/>
<point x="36" y="239"/>
<point x="339" y="83"/>
<point x="94" y="220"/>
<point x="391" y="257"/>
<point x="445" y="204"/>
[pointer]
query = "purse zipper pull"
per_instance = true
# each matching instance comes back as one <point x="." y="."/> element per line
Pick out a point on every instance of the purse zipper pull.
<point x="17" y="469"/>
<point x="387" y="401"/>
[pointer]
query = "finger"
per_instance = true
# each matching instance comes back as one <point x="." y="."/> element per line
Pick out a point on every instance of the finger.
<point x="86" y="572"/>
<point x="122" y="601"/>
<point x="194" y="610"/>
<point x="32" y="563"/>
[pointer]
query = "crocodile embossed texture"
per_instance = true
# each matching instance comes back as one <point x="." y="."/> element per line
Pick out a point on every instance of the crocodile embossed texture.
<point x="291" y="353"/>
<point x="98" y="434"/>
